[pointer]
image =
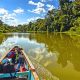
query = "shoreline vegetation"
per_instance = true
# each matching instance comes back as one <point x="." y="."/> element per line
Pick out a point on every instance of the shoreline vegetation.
<point x="66" y="19"/>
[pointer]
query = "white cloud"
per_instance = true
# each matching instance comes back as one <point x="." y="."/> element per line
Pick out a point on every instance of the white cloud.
<point x="18" y="11"/>
<point x="13" y="22"/>
<point x="32" y="19"/>
<point x="37" y="10"/>
<point x="8" y="16"/>
<point x="17" y="22"/>
<point x="3" y="11"/>
<point x="50" y="7"/>
<point x="39" y="4"/>
<point x="45" y="0"/>
<point x="39" y="7"/>
<point x="31" y="2"/>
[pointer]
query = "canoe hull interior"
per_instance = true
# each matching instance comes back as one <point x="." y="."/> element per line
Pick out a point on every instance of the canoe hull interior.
<point x="26" y="71"/>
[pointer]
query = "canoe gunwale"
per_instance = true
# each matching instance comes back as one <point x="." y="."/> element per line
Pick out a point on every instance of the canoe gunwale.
<point x="31" y="67"/>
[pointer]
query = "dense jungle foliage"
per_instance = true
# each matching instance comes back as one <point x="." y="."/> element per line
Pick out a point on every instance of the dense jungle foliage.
<point x="66" y="18"/>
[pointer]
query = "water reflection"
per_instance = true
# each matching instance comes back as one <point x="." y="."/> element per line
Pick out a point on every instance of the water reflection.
<point x="68" y="49"/>
<point x="58" y="53"/>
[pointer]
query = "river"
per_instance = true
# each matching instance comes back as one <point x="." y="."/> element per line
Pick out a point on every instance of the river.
<point x="55" y="56"/>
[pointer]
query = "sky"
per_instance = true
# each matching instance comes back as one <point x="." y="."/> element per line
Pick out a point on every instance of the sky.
<point x="15" y="12"/>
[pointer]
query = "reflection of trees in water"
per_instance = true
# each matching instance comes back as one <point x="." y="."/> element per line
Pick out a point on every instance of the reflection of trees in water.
<point x="68" y="47"/>
<point x="2" y="37"/>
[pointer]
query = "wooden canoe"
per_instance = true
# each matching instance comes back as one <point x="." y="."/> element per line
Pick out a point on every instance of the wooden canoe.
<point x="28" y="74"/>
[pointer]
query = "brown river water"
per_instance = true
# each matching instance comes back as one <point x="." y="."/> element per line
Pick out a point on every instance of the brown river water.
<point x="55" y="56"/>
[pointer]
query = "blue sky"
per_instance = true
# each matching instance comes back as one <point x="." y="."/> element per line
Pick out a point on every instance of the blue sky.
<point x="14" y="12"/>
